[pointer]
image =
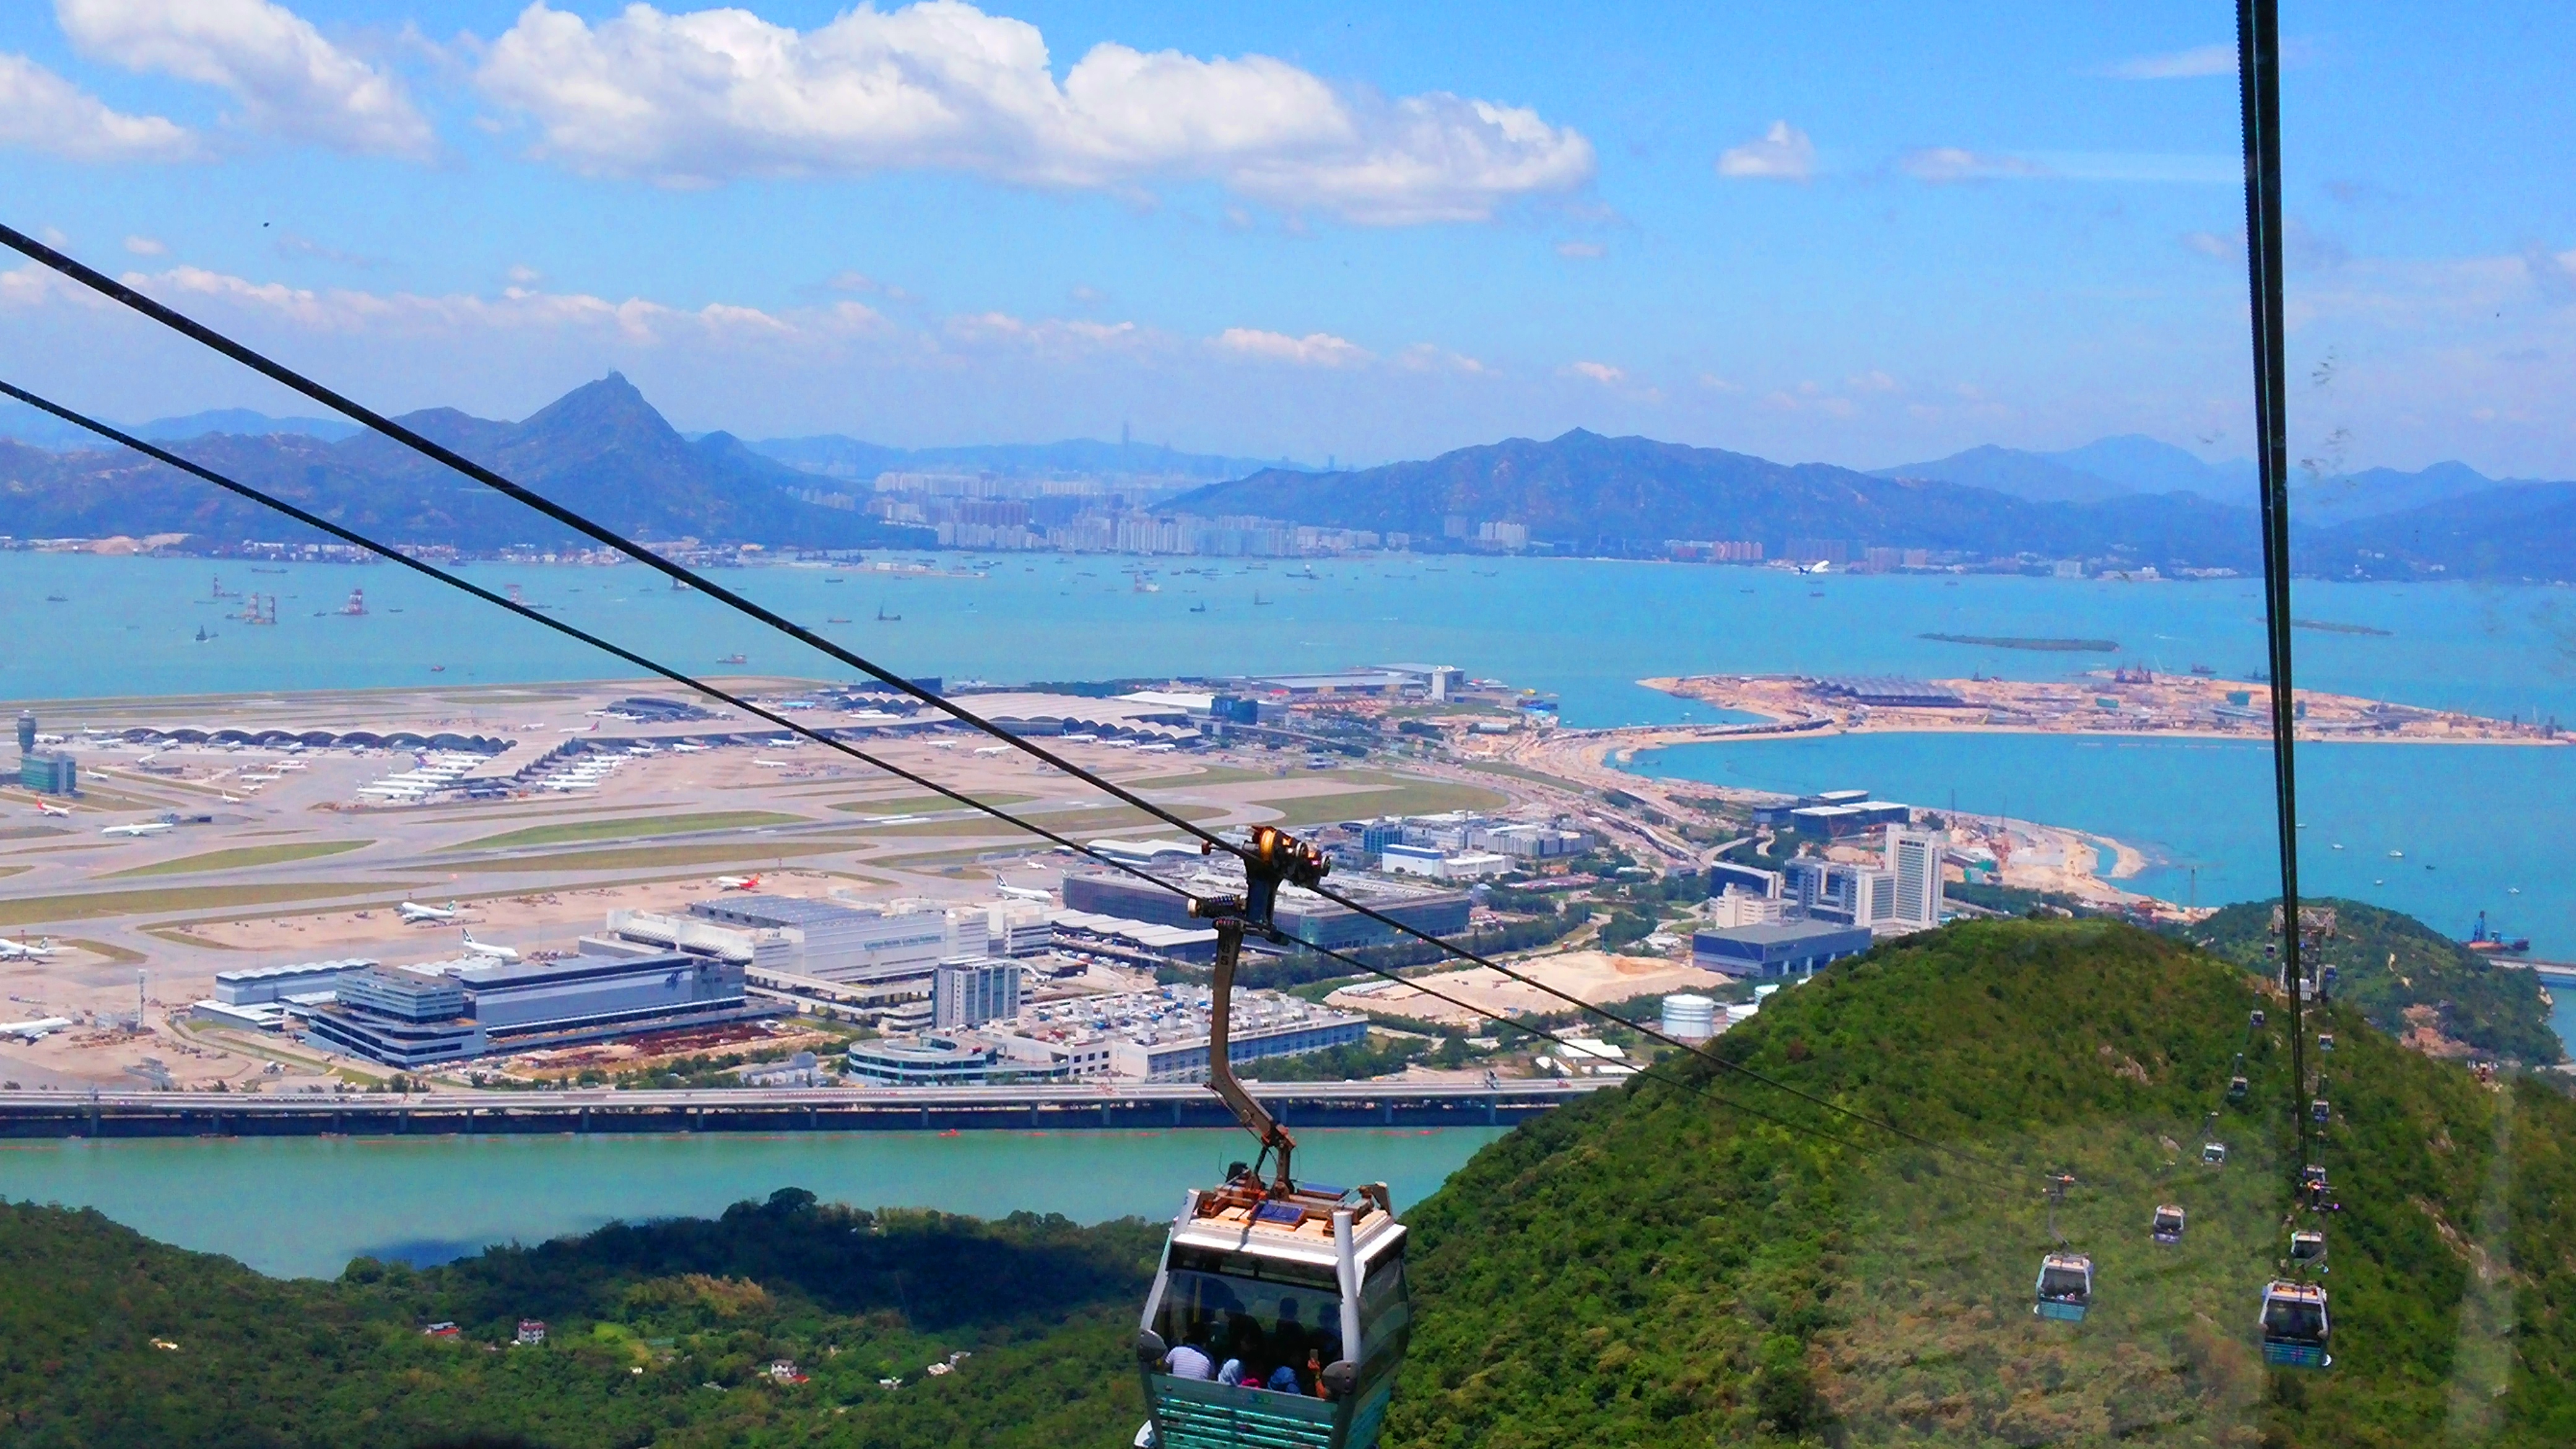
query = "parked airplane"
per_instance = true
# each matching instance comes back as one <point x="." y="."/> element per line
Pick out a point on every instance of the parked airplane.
<point x="21" y="951"/>
<point x="486" y="948"/>
<point x="414" y="911"/>
<point x="1023" y="893"/>
<point x="687" y="749"/>
<point x="1819" y="566"/>
<point x="774" y="764"/>
<point x="148" y="827"/>
<point x="993" y="750"/>
<point x="34" y="1030"/>
<point x="737" y="882"/>
<point x="58" y="811"/>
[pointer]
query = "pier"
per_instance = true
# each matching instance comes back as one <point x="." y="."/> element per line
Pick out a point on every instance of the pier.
<point x="1086" y="1107"/>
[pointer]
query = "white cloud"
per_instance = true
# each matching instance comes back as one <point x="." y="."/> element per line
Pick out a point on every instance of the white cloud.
<point x="41" y="111"/>
<point x="1872" y="381"/>
<point x="144" y="246"/>
<point x="1783" y="153"/>
<point x="1315" y="349"/>
<point x="1429" y="357"/>
<point x="704" y="97"/>
<point x="2200" y="60"/>
<point x="1941" y="165"/>
<point x="1581" y="251"/>
<point x="1600" y="372"/>
<point x="289" y="79"/>
<point x="2211" y="244"/>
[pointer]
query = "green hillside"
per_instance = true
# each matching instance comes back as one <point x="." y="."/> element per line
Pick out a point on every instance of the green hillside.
<point x="2407" y="977"/>
<point x="1647" y="1269"/>
<point x="660" y="1334"/>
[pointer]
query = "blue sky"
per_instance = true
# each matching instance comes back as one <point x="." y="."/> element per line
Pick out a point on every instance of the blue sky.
<point x="1865" y="234"/>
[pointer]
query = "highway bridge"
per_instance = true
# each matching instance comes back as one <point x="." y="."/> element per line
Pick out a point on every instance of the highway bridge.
<point x="1058" y="1107"/>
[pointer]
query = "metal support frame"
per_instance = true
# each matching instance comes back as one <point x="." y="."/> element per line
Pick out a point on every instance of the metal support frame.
<point x="1274" y="858"/>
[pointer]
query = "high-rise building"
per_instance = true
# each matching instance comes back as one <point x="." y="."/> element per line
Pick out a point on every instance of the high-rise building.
<point x="1914" y="857"/>
<point x="26" y="731"/>
<point x="973" y="990"/>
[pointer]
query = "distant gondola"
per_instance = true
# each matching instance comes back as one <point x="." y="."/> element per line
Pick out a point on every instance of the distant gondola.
<point x="2166" y="1227"/>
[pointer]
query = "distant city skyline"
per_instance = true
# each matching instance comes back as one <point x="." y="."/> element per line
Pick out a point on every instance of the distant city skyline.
<point x="1869" y="236"/>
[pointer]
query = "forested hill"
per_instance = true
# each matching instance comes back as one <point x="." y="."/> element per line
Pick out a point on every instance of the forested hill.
<point x="1585" y="493"/>
<point x="1652" y="1269"/>
<point x="600" y="449"/>
<point x="2412" y="981"/>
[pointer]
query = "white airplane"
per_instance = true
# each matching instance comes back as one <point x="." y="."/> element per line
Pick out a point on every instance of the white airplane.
<point x="412" y="911"/>
<point x="943" y="744"/>
<point x="1023" y="893"/>
<point x="58" y="811"/>
<point x="689" y="749"/>
<point x="37" y="1029"/>
<point x="993" y="750"/>
<point x="1819" y="566"/>
<point x="147" y="827"/>
<point x="486" y="948"/>
<point x="737" y="882"/>
<point x="773" y="764"/>
<point x="21" y="951"/>
<point x="1154" y="749"/>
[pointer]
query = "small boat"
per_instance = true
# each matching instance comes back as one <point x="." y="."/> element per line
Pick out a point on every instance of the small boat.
<point x="1199" y="607"/>
<point x="885" y="618"/>
<point x="836" y="619"/>
<point x="202" y="635"/>
<point x="2204" y="671"/>
<point x="733" y="659"/>
<point x="58" y="598"/>
<point x="1259" y="602"/>
<point x="2397" y="855"/>
<point x="438" y="669"/>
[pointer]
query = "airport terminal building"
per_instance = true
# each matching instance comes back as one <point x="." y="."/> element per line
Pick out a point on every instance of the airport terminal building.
<point x="455" y="1010"/>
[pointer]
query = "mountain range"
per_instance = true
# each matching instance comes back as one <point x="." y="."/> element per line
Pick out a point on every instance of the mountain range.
<point x="605" y="451"/>
<point x="2131" y="499"/>
<point x="601" y="449"/>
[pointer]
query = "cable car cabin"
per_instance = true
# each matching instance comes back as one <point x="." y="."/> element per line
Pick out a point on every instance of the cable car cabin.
<point x="2213" y="1154"/>
<point x="2319" y="1112"/>
<point x="2255" y="1021"/>
<point x="2065" y="1287"/>
<point x="2325" y="1041"/>
<point x="1303" y="1295"/>
<point x="2237" y="1087"/>
<point x="2167" y="1224"/>
<point x="2294" y="1326"/>
<point x="2307" y="1248"/>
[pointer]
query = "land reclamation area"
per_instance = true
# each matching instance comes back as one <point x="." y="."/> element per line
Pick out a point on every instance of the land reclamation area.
<point x="1654" y="1266"/>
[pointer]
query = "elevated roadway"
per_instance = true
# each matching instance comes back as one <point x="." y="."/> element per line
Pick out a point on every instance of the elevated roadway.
<point x="1070" y="1107"/>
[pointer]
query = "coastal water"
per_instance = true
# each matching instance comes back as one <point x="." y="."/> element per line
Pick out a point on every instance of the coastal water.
<point x="303" y="1207"/>
<point x="1585" y="630"/>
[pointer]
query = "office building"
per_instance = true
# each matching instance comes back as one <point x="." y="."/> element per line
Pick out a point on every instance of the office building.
<point x="1274" y="1029"/>
<point x="973" y="991"/>
<point x="1744" y="908"/>
<point x="1397" y="858"/>
<point x="475" y="1006"/>
<point x="1725" y="876"/>
<point x="49" y="774"/>
<point x="1914" y="858"/>
<point x="1788" y="948"/>
<point x="1141" y="943"/>
<point x="925" y="1061"/>
<point x="401" y="1018"/>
